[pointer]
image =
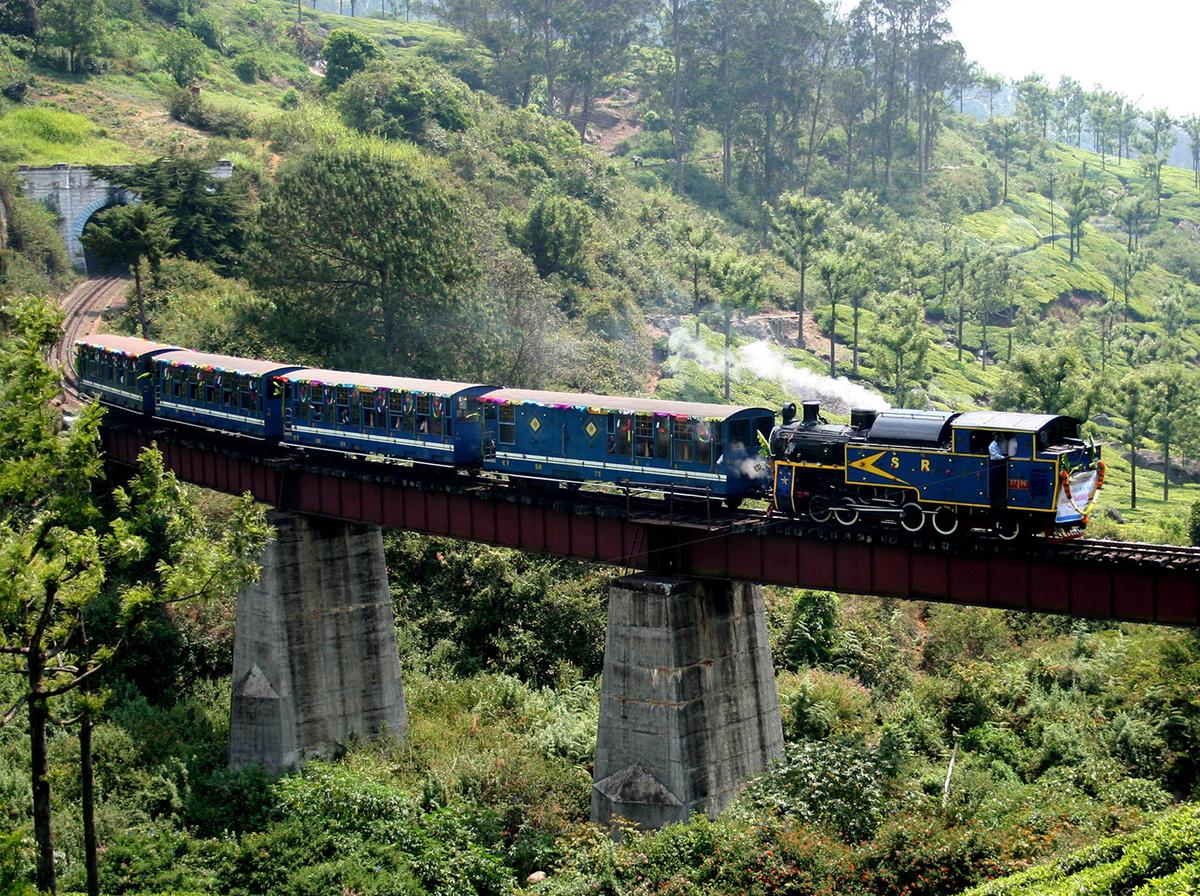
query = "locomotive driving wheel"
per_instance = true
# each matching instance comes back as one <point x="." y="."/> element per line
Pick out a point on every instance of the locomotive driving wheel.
<point x="846" y="516"/>
<point x="945" y="520"/>
<point x="820" y="508"/>
<point x="912" y="517"/>
<point x="1008" y="529"/>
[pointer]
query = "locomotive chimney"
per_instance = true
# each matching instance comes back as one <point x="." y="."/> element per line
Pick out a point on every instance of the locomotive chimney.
<point x="811" y="411"/>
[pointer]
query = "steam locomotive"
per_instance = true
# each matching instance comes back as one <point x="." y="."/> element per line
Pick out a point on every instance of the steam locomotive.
<point x="933" y="468"/>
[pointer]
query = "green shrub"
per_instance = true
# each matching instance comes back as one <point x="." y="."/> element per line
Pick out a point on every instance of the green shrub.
<point x="556" y="236"/>
<point x="346" y="53"/>
<point x="1158" y="859"/>
<point x="227" y="120"/>
<point x="929" y="857"/>
<point x="808" y="635"/>
<point x="1194" y="523"/>
<point x="250" y="67"/>
<point x="210" y="30"/>
<point x="817" y="705"/>
<point x="834" y="785"/>
<point x="349" y="832"/>
<point x="403" y="101"/>
<point x="183" y="55"/>
<point x="16" y="863"/>
<point x="170" y="10"/>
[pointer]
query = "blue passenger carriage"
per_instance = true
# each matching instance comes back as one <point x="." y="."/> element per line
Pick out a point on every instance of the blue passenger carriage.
<point x="429" y="421"/>
<point x="707" y="448"/>
<point x="117" y="370"/>
<point x="220" y="392"/>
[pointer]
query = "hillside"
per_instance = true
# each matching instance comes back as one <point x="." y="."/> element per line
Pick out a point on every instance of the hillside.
<point x="612" y="262"/>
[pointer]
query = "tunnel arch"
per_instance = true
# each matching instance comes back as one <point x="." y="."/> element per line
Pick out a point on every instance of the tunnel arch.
<point x="93" y="266"/>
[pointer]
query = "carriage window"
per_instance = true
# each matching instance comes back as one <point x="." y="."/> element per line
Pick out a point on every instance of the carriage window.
<point x="227" y="390"/>
<point x="467" y="409"/>
<point x="422" y="407"/>
<point x="375" y="409"/>
<point x="193" y="390"/>
<point x="507" y="430"/>
<point x="739" y="434"/>
<point x="210" y="392"/>
<point x="340" y="412"/>
<point x="297" y="399"/>
<point x="683" y="441"/>
<point x="176" y="383"/>
<point x="662" y="438"/>
<point x="400" y="412"/>
<point x="250" y="394"/>
<point x="644" y="430"/>
<point x="705" y="434"/>
<point x="437" y="416"/>
<point x="620" y="435"/>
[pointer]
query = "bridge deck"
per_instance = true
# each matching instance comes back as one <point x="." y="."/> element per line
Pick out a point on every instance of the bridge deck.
<point x="1097" y="580"/>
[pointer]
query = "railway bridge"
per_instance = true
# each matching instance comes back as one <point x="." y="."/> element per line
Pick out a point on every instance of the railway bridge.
<point x="688" y="702"/>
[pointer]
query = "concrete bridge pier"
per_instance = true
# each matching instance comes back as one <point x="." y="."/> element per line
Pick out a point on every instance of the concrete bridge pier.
<point x="314" y="657"/>
<point x="688" y="707"/>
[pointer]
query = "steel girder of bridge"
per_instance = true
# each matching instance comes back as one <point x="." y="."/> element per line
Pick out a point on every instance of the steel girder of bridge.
<point x="1066" y="578"/>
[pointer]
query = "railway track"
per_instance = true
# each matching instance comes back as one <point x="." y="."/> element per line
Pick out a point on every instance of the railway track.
<point x="84" y="306"/>
<point x="1168" y="555"/>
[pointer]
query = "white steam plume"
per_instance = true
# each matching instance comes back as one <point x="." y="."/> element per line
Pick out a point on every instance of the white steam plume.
<point x="765" y="362"/>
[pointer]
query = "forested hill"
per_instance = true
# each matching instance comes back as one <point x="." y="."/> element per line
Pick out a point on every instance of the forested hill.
<point x="609" y="196"/>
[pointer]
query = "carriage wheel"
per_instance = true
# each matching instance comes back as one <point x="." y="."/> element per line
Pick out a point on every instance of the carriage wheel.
<point x="1008" y="529"/>
<point x="912" y="517"/>
<point x="945" y="520"/>
<point x="820" y="509"/>
<point x="846" y="516"/>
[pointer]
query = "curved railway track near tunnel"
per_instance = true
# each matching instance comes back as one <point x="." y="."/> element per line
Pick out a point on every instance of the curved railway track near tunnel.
<point x="84" y="307"/>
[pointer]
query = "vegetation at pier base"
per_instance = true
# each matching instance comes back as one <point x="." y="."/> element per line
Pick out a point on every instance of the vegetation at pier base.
<point x="599" y="196"/>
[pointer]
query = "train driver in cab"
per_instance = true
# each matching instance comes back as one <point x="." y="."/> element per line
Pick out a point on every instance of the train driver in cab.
<point x="998" y="470"/>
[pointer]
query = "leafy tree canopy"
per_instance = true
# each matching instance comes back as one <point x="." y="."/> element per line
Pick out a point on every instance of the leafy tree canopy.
<point x="346" y="53"/>
<point x="368" y="253"/>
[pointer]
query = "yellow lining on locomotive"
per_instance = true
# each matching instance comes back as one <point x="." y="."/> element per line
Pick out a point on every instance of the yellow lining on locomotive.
<point x="807" y="466"/>
<point x="951" y="453"/>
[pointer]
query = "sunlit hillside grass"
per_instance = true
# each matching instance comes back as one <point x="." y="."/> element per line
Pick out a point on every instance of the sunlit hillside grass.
<point x="43" y="135"/>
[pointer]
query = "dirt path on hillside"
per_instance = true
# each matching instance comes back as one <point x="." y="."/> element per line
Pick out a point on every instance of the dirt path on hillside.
<point x="613" y="121"/>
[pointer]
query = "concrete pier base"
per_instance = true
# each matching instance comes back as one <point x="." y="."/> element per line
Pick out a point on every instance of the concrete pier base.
<point x="314" y="658"/>
<point x="688" y="708"/>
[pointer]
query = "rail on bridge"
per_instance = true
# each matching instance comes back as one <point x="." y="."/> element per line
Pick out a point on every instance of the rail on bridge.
<point x="688" y="706"/>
